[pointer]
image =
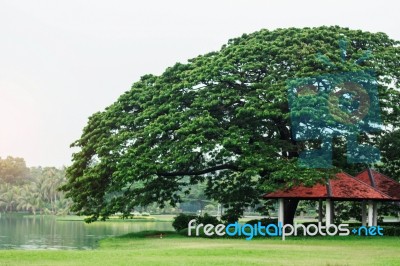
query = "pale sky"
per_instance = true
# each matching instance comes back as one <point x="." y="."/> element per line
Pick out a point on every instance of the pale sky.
<point x="61" y="61"/>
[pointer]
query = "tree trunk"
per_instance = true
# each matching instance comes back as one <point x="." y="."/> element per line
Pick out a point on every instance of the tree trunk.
<point x="290" y="210"/>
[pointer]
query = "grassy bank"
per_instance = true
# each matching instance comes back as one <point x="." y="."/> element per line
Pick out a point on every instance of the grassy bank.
<point x="172" y="249"/>
<point x="152" y="218"/>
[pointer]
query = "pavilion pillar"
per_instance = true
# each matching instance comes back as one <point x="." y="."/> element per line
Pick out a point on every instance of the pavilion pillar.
<point x="328" y="212"/>
<point x="370" y="213"/>
<point x="375" y="207"/>
<point x="281" y="211"/>
<point x="320" y="210"/>
<point x="363" y="213"/>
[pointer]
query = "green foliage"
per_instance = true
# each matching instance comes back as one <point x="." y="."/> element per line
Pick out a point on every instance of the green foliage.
<point x="391" y="230"/>
<point x="13" y="171"/>
<point x="390" y="155"/>
<point x="36" y="191"/>
<point x="305" y="205"/>
<point x="231" y="215"/>
<point x="263" y="221"/>
<point x="182" y="220"/>
<point x="207" y="219"/>
<point x="346" y="210"/>
<point x="194" y="199"/>
<point x="221" y="118"/>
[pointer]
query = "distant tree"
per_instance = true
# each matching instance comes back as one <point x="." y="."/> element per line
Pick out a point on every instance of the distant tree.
<point x="36" y="193"/>
<point x="8" y="197"/>
<point x="28" y="200"/>
<point x="13" y="170"/>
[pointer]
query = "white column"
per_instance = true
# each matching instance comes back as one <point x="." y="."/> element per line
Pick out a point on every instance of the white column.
<point x="363" y="213"/>
<point x="281" y="211"/>
<point x="370" y="213"/>
<point x="375" y="211"/>
<point x="320" y="210"/>
<point x="328" y="212"/>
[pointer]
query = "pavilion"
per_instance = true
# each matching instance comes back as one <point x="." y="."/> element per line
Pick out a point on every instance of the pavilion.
<point x="369" y="186"/>
<point x="380" y="182"/>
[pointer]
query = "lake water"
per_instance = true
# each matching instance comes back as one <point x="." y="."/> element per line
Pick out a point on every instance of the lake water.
<point x="46" y="232"/>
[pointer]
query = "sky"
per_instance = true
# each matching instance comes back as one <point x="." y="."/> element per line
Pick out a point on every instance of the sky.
<point x="61" y="61"/>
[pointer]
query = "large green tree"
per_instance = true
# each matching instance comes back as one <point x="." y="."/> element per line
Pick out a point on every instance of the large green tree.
<point x="222" y="117"/>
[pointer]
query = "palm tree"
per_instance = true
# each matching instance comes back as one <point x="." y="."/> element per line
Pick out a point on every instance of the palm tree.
<point x="54" y="178"/>
<point x="41" y="195"/>
<point x="28" y="200"/>
<point x="8" y="196"/>
<point x="63" y="206"/>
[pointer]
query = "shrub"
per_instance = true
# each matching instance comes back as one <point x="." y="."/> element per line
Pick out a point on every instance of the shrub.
<point x="391" y="230"/>
<point x="207" y="219"/>
<point x="263" y="221"/>
<point x="230" y="217"/>
<point x="181" y="221"/>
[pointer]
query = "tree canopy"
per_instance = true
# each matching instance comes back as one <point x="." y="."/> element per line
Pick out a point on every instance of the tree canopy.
<point x="32" y="189"/>
<point x="224" y="118"/>
<point x="13" y="170"/>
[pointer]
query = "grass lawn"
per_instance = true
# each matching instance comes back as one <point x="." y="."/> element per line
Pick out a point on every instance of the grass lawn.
<point x="172" y="249"/>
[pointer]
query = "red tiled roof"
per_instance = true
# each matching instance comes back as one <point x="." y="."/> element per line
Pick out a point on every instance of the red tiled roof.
<point x="380" y="182"/>
<point x="342" y="187"/>
<point x="315" y="192"/>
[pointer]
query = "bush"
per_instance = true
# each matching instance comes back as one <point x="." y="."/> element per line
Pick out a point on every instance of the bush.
<point x="207" y="219"/>
<point x="391" y="230"/>
<point x="263" y="221"/>
<point x="230" y="217"/>
<point x="181" y="221"/>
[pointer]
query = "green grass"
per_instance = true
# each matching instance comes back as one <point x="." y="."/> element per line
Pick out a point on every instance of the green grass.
<point x="147" y="248"/>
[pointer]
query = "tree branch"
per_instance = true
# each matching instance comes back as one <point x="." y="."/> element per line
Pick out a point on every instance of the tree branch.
<point x="202" y="172"/>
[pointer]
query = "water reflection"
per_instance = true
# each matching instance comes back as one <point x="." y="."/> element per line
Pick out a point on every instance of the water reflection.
<point x="45" y="232"/>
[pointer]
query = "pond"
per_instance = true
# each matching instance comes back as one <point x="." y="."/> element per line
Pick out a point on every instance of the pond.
<point x="51" y="232"/>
